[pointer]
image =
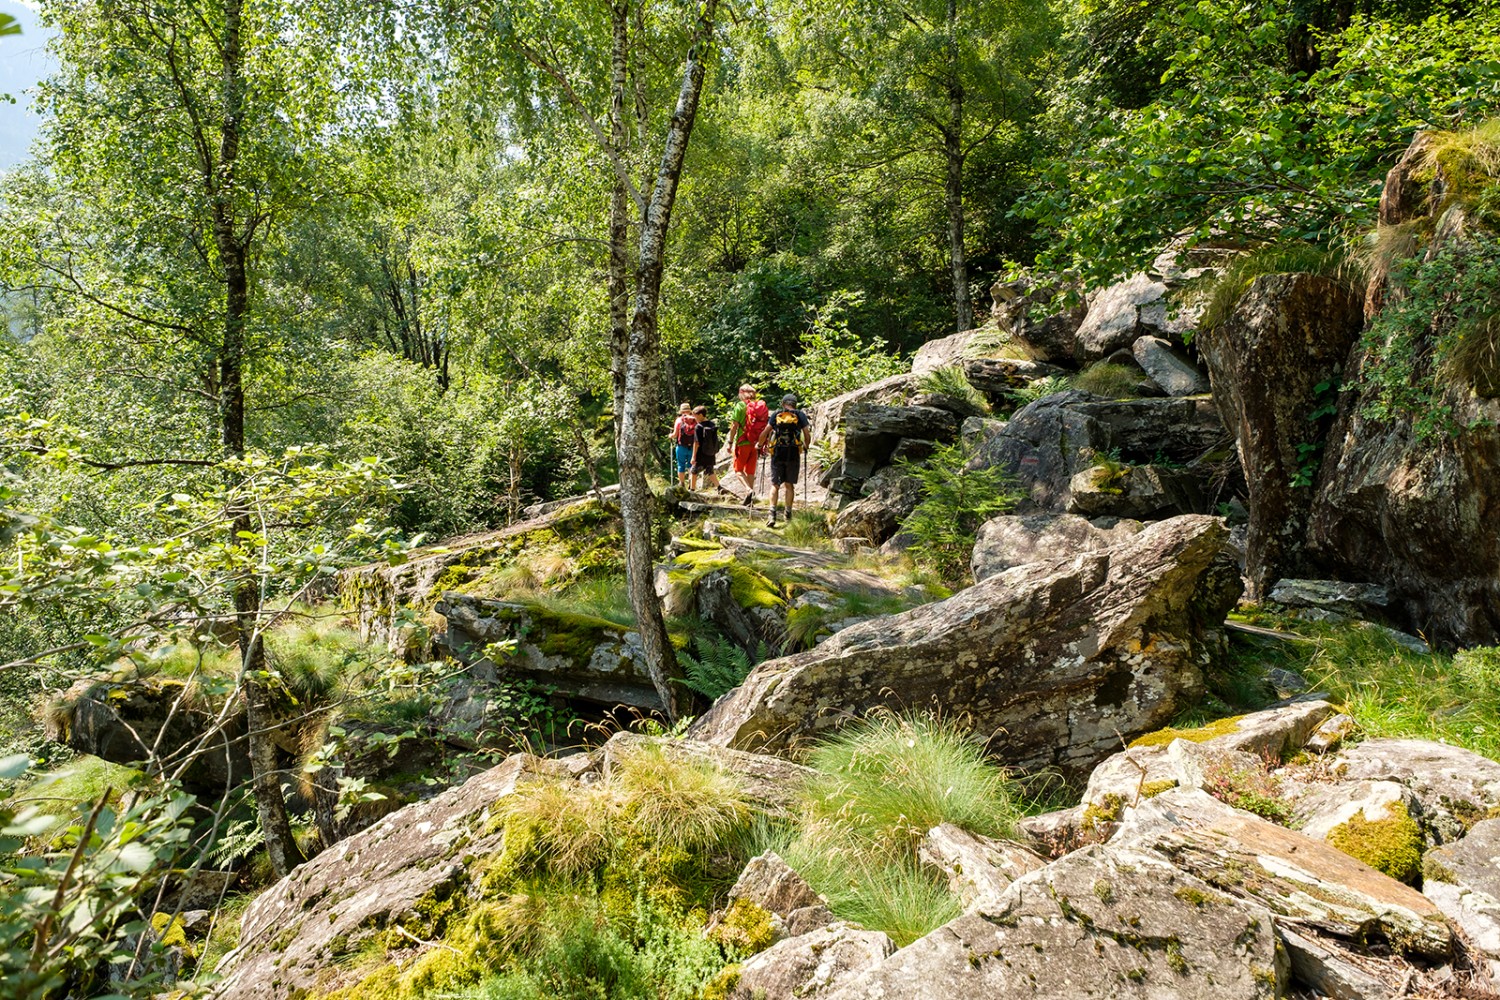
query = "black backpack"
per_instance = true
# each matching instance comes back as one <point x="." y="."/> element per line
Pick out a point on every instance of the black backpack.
<point x="708" y="437"/>
<point x="786" y="430"/>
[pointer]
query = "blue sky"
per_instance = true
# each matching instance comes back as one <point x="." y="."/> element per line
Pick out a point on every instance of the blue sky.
<point x="23" y="61"/>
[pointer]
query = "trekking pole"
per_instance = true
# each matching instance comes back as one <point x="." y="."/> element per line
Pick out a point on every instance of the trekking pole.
<point x="804" y="478"/>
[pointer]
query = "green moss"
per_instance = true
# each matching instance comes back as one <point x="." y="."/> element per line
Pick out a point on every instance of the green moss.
<point x="171" y="932"/>
<point x="1392" y="844"/>
<point x="722" y="986"/>
<point x="746" y="927"/>
<point x="1106" y="810"/>
<point x="1151" y="789"/>
<point x="749" y="587"/>
<point x="1196" y="897"/>
<point x="1162" y="737"/>
<point x="1434" y="870"/>
<point x="1175" y="961"/>
<point x="1104" y="891"/>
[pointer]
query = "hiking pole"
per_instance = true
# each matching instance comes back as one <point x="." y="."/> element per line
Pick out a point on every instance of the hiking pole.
<point x="804" y="478"/>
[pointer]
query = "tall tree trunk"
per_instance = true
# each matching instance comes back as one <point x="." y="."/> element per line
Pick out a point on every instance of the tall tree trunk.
<point x="953" y="154"/>
<point x="618" y="285"/>
<point x="642" y="364"/>
<point x="234" y="259"/>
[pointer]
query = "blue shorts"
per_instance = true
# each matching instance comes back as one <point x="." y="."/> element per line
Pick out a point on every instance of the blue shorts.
<point x="684" y="453"/>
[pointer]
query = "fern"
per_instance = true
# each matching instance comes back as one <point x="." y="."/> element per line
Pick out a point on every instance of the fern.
<point x="1040" y="389"/>
<point x="953" y="381"/>
<point x="719" y="667"/>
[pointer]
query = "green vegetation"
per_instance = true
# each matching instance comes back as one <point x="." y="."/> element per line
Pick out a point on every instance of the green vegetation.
<point x="1392" y="844"/>
<point x="1109" y="380"/>
<point x="957" y="500"/>
<point x="718" y="667"/>
<point x="1222" y="289"/>
<point x="952" y="381"/>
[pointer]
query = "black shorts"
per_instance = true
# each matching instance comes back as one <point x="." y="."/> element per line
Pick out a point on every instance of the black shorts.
<point x="704" y="464"/>
<point x="784" y="462"/>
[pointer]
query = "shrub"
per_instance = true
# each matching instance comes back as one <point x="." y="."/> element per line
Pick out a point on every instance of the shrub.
<point x="957" y="499"/>
<point x="833" y="361"/>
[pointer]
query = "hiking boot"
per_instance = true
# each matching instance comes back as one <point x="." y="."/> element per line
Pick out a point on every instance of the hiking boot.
<point x="771" y="521"/>
<point x="749" y="500"/>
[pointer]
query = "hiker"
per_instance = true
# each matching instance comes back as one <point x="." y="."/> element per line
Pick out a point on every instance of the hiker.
<point x="705" y="449"/>
<point x="747" y="420"/>
<point x="684" y="435"/>
<point x="787" y="435"/>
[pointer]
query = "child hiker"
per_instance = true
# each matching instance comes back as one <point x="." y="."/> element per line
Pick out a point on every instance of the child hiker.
<point x="787" y="436"/>
<point x="705" y="449"/>
<point x="684" y="435"/>
<point x="747" y="420"/>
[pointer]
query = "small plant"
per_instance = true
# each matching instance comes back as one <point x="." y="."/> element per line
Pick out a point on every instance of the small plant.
<point x="718" y="668"/>
<point x="1040" y="389"/>
<point x="1254" y="790"/>
<point x="957" y="499"/>
<point x="1110" y="471"/>
<point x="953" y="381"/>
<point x="1109" y="380"/>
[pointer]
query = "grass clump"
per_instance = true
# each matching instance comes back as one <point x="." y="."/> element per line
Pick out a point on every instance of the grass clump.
<point x="882" y="784"/>
<point x="953" y="381"/>
<point x="1109" y="380"/>
<point x="1040" y="389"/>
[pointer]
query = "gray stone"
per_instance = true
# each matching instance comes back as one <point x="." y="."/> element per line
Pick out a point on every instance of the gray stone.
<point x="890" y="495"/>
<point x="1325" y="967"/>
<point x="1168" y="368"/>
<point x="1013" y="540"/>
<point x="1123" y="313"/>
<point x="1334" y="731"/>
<point x="1333" y="595"/>
<point x="944" y="352"/>
<point x="817" y="964"/>
<point x="1454" y="788"/>
<point x="997" y="378"/>
<point x="827" y="416"/>
<point x="1463" y="880"/>
<point x="1041" y="316"/>
<point x="1048" y="442"/>
<point x="959" y="406"/>
<point x="913" y="450"/>
<point x="871" y="432"/>
<point x="1053" y="660"/>
<point x="599" y="662"/>
<point x="1101" y="922"/>
<point x="1056" y="833"/>
<point x="1293" y="875"/>
<point x="1142" y="493"/>
<point x="1289" y="334"/>
<point x="978" y="869"/>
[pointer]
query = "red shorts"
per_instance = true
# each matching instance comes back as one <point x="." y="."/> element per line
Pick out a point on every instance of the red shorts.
<point x="744" y="459"/>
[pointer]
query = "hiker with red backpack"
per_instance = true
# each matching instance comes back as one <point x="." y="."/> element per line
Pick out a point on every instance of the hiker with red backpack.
<point x="684" y="437"/>
<point x="787" y="435"/>
<point x="747" y="421"/>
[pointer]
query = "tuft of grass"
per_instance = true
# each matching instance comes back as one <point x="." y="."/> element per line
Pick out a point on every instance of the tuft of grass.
<point x="1221" y="292"/>
<point x="1109" y="380"/>
<point x="899" y="897"/>
<point x="678" y="801"/>
<point x="806" y="530"/>
<point x="59" y="793"/>
<point x="886" y="780"/>
<point x="1040" y="389"/>
<point x="602" y="596"/>
<point x="952" y="380"/>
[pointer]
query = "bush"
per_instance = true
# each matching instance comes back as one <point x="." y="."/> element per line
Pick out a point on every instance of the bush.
<point x="833" y="361"/>
<point x="957" y="499"/>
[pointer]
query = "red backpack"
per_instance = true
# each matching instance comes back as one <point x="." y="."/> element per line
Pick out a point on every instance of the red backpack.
<point x="757" y="415"/>
<point x="686" y="430"/>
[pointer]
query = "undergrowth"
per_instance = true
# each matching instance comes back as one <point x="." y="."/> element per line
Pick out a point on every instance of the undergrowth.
<point x="953" y="381"/>
<point x="956" y="500"/>
<point x="1109" y="380"/>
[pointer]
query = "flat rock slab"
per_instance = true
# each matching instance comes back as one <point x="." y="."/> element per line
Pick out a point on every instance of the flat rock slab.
<point x="1299" y="879"/>
<point x="1013" y="540"/>
<point x="1454" y="788"/>
<point x="1101" y="922"/>
<point x="1050" y="661"/>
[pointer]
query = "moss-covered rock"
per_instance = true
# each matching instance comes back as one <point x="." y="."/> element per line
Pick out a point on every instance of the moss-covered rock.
<point x="1392" y="844"/>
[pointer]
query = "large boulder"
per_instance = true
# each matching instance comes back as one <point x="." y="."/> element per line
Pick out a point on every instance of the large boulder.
<point x="944" y="352"/>
<point x="817" y="964"/>
<point x="1137" y="492"/>
<point x="1012" y="540"/>
<point x="1169" y="368"/>
<point x="998" y="378"/>
<point x="587" y="659"/>
<point x="829" y="414"/>
<point x="1053" y="660"/>
<point x="871" y="432"/>
<point x="1122" y="313"/>
<point x="1101" y="922"/>
<point x="1273" y="364"/>
<point x="1048" y="442"/>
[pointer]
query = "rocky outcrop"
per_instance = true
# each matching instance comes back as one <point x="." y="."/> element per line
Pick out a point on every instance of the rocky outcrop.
<point x="1101" y="922"/>
<point x="1122" y="313"/>
<point x="1137" y="492"/>
<point x="1274" y="363"/>
<point x="1054" y="659"/>
<point x="829" y="414"/>
<point x="1463" y="880"/>
<point x="1048" y="442"/>
<point x="1013" y="540"/>
<point x="590" y="659"/>
<point x="1337" y="596"/>
<point x="998" y="378"/>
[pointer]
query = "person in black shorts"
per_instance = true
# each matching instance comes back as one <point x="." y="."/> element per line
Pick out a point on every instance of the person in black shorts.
<point x="787" y="436"/>
<point x="705" y="450"/>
